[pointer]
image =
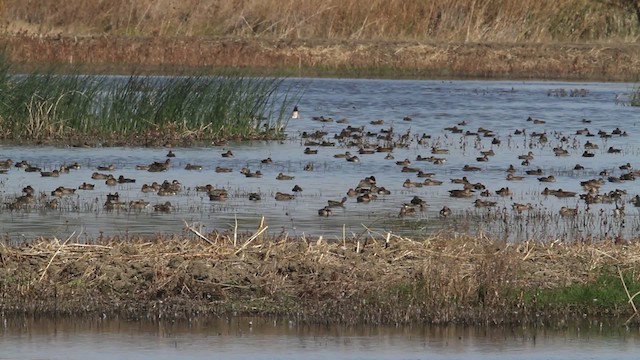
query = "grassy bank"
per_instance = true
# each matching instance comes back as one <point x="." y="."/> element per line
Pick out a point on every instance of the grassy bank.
<point x="444" y="278"/>
<point x="49" y="108"/>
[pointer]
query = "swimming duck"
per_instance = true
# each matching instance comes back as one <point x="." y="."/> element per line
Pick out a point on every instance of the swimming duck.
<point x="111" y="181"/>
<point x="282" y="176"/>
<point x="511" y="177"/>
<point x="461" y="193"/>
<point x="366" y="198"/>
<point x="407" y="210"/>
<point x="193" y="167"/>
<point x="220" y="169"/>
<point x="325" y="211"/>
<point x="28" y="189"/>
<point x="445" y="211"/>
<point x="138" y="204"/>
<point x="409" y="169"/>
<point x="283" y="196"/>
<point x="54" y="173"/>
<point x="257" y="174"/>
<point x="310" y="151"/>
<point x="563" y="193"/>
<point x="124" y="180"/>
<point x="587" y="153"/>
<point x="266" y="161"/>
<point x="166" y="207"/>
<point x="53" y="204"/>
<point x="505" y="191"/>
<point x="86" y="186"/>
<point x="227" y="154"/>
<point x="403" y="162"/>
<point x="159" y="166"/>
<point x="519" y="208"/>
<point x="218" y="195"/>
<point x="255" y="197"/>
<point x="344" y="155"/>
<point x="334" y="203"/>
<point x="422" y="174"/>
<point x="109" y="167"/>
<point x="411" y="184"/>
<point x="171" y="154"/>
<point x="527" y="156"/>
<point x="578" y="167"/>
<point x="549" y="178"/>
<point x="484" y="203"/>
<point x="296" y="188"/>
<point x="353" y="159"/>
<point x="534" y="172"/>
<point x="568" y="212"/>
<point x="431" y="182"/>
<point x="436" y="150"/>
<point x="470" y="168"/>
<point x="61" y="191"/>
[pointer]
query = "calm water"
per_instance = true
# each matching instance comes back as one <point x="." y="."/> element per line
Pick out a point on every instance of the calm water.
<point x="501" y="107"/>
<point x="242" y="338"/>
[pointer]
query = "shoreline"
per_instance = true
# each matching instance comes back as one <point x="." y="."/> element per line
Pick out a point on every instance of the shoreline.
<point x="363" y="59"/>
<point x="441" y="279"/>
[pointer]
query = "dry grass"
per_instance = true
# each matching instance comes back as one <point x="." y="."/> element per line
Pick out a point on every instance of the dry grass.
<point x="435" y="20"/>
<point x="376" y="278"/>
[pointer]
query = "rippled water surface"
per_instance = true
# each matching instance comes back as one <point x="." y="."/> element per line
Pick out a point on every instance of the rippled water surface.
<point x="242" y="338"/>
<point x="431" y="106"/>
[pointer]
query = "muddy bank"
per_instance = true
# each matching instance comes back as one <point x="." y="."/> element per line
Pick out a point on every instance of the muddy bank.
<point x="588" y="62"/>
<point x="444" y="278"/>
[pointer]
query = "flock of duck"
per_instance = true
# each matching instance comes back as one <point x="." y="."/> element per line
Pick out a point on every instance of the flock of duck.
<point x="356" y="143"/>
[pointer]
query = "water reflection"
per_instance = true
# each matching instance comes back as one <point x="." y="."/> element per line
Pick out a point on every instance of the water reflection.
<point x="432" y="106"/>
<point x="245" y="338"/>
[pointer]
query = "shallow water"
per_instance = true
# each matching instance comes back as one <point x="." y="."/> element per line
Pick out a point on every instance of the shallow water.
<point x="250" y="338"/>
<point x="499" y="106"/>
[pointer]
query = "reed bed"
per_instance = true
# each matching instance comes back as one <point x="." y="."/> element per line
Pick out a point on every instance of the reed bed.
<point x="141" y="110"/>
<point x="375" y="278"/>
<point x="439" y="20"/>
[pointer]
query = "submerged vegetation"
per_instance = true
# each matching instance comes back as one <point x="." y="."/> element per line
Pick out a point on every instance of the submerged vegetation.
<point x="373" y="278"/>
<point x="145" y="110"/>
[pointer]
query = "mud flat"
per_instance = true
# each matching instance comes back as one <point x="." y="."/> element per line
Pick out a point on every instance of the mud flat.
<point x="374" y="278"/>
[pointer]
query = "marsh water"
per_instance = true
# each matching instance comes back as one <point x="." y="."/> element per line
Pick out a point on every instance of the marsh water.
<point x="420" y="110"/>
<point x="250" y="338"/>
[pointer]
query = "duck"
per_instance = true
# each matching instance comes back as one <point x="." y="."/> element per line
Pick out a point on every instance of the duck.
<point x="109" y="167"/>
<point x="257" y="174"/>
<point x="461" y="193"/>
<point x="445" y="211"/>
<point x="166" y="192"/>
<point x="86" y="186"/>
<point x="124" y="180"/>
<point x="470" y="168"/>
<point x="171" y="154"/>
<point x="32" y="168"/>
<point x="280" y="196"/>
<point x="422" y="174"/>
<point x="367" y="182"/>
<point x="560" y="151"/>
<point x="146" y="188"/>
<point x="563" y="193"/>
<point x="568" y="212"/>
<point x="406" y="169"/>
<point x="325" y="211"/>
<point x="61" y="191"/>
<point x="549" y="178"/>
<point x="511" y="177"/>
<point x="193" y="167"/>
<point x="484" y="203"/>
<point x="537" y="171"/>
<point x="404" y="162"/>
<point x="310" y="151"/>
<point x="334" y="203"/>
<point x="407" y="210"/>
<point x="431" y="182"/>
<point x="527" y="156"/>
<point x="166" y="207"/>
<point x="218" y="195"/>
<point x="519" y="208"/>
<point x="411" y="184"/>
<point x="366" y="198"/>
<point x="578" y="167"/>
<point x="28" y="190"/>
<point x="138" y="204"/>
<point x="418" y="201"/>
<point x="353" y="159"/>
<point x="266" y="161"/>
<point x="255" y="197"/>
<point x="462" y="180"/>
<point x="54" y="173"/>
<point x="220" y="169"/>
<point x="505" y="191"/>
<point x="227" y="154"/>
<point x="111" y="181"/>
<point x="159" y="166"/>
<point x="296" y="188"/>
<point x="113" y="205"/>
<point x="511" y="169"/>
<point x="439" y="151"/>
<point x="282" y="176"/>
<point x="344" y="155"/>
<point x="142" y="167"/>
<point x="587" y="153"/>
<point x="53" y="204"/>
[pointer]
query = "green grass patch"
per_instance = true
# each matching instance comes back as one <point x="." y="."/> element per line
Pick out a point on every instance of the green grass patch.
<point x="45" y="106"/>
<point x="606" y="291"/>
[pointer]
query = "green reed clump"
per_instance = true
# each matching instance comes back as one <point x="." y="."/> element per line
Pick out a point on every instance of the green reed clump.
<point x="47" y="106"/>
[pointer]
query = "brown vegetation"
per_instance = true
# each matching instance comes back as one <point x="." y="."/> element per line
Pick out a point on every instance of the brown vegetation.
<point x="375" y="278"/>
<point x="438" y="38"/>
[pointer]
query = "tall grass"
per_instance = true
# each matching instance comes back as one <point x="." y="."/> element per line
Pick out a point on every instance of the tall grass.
<point x="435" y="20"/>
<point x="46" y="106"/>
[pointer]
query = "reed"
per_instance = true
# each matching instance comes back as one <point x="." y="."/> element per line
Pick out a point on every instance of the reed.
<point x="434" y="20"/>
<point x="369" y="278"/>
<point x="44" y="106"/>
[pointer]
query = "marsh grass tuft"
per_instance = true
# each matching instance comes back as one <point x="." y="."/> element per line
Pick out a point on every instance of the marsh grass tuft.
<point x="44" y="106"/>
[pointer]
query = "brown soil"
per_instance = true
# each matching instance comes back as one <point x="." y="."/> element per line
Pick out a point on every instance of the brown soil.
<point x="603" y="62"/>
<point x="440" y="279"/>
